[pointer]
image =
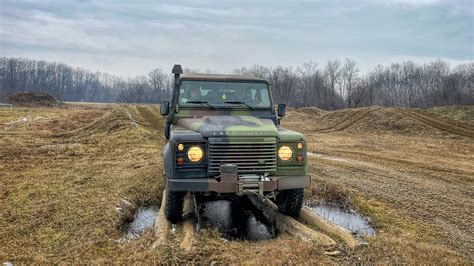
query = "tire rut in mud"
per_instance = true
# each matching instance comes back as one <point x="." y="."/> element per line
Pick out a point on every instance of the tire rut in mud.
<point x="347" y="122"/>
<point x="440" y="124"/>
<point x="438" y="200"/>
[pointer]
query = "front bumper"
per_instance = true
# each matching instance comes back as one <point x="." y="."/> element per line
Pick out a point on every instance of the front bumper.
<point x="222" y="185"/>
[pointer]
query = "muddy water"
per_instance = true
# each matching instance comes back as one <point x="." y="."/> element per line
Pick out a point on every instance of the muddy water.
<point x="143" y="219"/>
<point x="348" y="219"/>
<point x="235" y="221"/>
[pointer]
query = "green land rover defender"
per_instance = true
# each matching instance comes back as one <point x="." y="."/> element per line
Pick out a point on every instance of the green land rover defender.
<point x="224" y="140"/>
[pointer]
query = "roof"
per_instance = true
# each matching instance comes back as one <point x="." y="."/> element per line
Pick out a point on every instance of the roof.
<point x="216" y="77"/>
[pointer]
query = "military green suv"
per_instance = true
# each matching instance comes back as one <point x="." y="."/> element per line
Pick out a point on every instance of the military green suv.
<point x="224" y="139"/>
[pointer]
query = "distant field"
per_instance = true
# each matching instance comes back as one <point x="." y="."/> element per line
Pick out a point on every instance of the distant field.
<point x="90" y="103"/>
<point x="65" y="171"/>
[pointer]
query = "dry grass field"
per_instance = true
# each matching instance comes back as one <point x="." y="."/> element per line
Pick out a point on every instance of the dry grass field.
<point x="411" y="171"/>
<point x="69" y="174"/>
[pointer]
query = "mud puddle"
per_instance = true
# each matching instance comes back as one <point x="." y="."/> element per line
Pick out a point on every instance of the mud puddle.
<point x="143" y="219"/>
<point x="235" y="221"/>
<point x="348" y="219"/>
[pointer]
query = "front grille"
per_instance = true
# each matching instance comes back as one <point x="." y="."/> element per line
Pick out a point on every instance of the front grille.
<point x="250" y="157"/>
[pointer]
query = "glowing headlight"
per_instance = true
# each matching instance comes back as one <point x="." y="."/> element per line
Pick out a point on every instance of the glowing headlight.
<point x="195" y="154"/>
<point x="285" y="153"/>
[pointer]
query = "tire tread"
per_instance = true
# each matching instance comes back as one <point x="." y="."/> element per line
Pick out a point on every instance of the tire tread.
<point x="174" y="206"/>
<point x="290" y="201"/>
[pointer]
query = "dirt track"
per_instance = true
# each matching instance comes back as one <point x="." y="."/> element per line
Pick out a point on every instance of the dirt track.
<point x="441" y="200"/>
<point x="441" y="124"/>
<point x="376" y="120"/>
<point x="426" y="178"/>
<point x="347" y="122"/>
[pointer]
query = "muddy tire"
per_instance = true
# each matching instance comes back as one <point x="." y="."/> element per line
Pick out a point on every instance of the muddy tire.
<point x="290" y="201"/>
<point x="174" y="206"/>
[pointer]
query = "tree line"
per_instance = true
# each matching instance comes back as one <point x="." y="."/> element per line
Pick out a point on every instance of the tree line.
<point x="68" y="83"/>
<point x="339" y="84"/>
<point x="334" y="85"/>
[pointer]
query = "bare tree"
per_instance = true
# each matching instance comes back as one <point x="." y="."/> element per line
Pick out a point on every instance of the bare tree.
<point x="338" y="85"/>
<point x="255" y="71"/>
<point x="332" y="74"/>
<point x="283" y="80"/>
<point x="312" y="90"/>
<point x="349" y="73"/>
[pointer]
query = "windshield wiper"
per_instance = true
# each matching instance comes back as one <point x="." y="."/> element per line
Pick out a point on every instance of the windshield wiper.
<point x="244" y="103"/>
<point x="202" y="102"/>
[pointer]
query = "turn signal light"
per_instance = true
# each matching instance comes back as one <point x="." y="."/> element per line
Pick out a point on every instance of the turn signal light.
<point x="299" y="158"/>
<point x="299" y="145"/>
<point x="180" y="160"/>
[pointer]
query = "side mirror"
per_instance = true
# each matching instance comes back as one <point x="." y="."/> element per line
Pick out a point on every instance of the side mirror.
<point x="281" y="109"/>
<point x="165" y="108"/>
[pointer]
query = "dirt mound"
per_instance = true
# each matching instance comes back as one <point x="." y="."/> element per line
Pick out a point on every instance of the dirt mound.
<point x="32" y="99"/>
<point x="301" y="118"/>
<point x="313" y="111"/>
<point x="309" y="112"/>
<point x="375" y="120"/>
<point x="121" y="120"/>
<point x="460" y="113"/>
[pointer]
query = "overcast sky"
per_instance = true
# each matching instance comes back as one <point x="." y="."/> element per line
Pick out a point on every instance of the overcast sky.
<point x="128" y="38"/>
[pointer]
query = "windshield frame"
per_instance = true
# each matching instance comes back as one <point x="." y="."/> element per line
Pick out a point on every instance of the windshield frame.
<point x="226" y="106"/>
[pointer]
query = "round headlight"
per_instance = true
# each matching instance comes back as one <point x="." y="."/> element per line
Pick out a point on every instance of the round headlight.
<point x="195" y="154"/>
<point x="285" y="153"/>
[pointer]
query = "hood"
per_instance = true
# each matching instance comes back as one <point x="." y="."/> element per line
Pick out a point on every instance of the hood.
<point x="231" y="126"/>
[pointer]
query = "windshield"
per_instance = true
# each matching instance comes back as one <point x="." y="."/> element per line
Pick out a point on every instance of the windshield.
<point x="221" y="93"/>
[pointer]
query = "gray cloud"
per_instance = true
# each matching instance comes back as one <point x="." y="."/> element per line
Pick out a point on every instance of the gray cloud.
<point x="129" y="38"/>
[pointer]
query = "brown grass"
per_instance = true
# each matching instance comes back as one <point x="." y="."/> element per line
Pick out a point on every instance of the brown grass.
<point x="416" y="190"/>
<point x="463" y="114"/>
<point x="65" y="171"/>
<point x="62" y="191"/>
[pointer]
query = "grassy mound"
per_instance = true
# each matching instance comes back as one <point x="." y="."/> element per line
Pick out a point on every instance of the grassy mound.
<point x="454" y="119"/>
<point x="460" y="113"/>
<point x="313" y="111"/>
<point x="32" y="99"/>
<point x="308" y="115"/>
<point x="376" y="119"/>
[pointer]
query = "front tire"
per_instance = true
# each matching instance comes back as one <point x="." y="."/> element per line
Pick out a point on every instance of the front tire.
<point x="290" y="201"/>
<point x="174" y="206"/>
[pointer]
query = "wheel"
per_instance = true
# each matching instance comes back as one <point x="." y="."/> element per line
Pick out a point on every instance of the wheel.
<point x="290" y="201"/>
<point x="174" y="206"/>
